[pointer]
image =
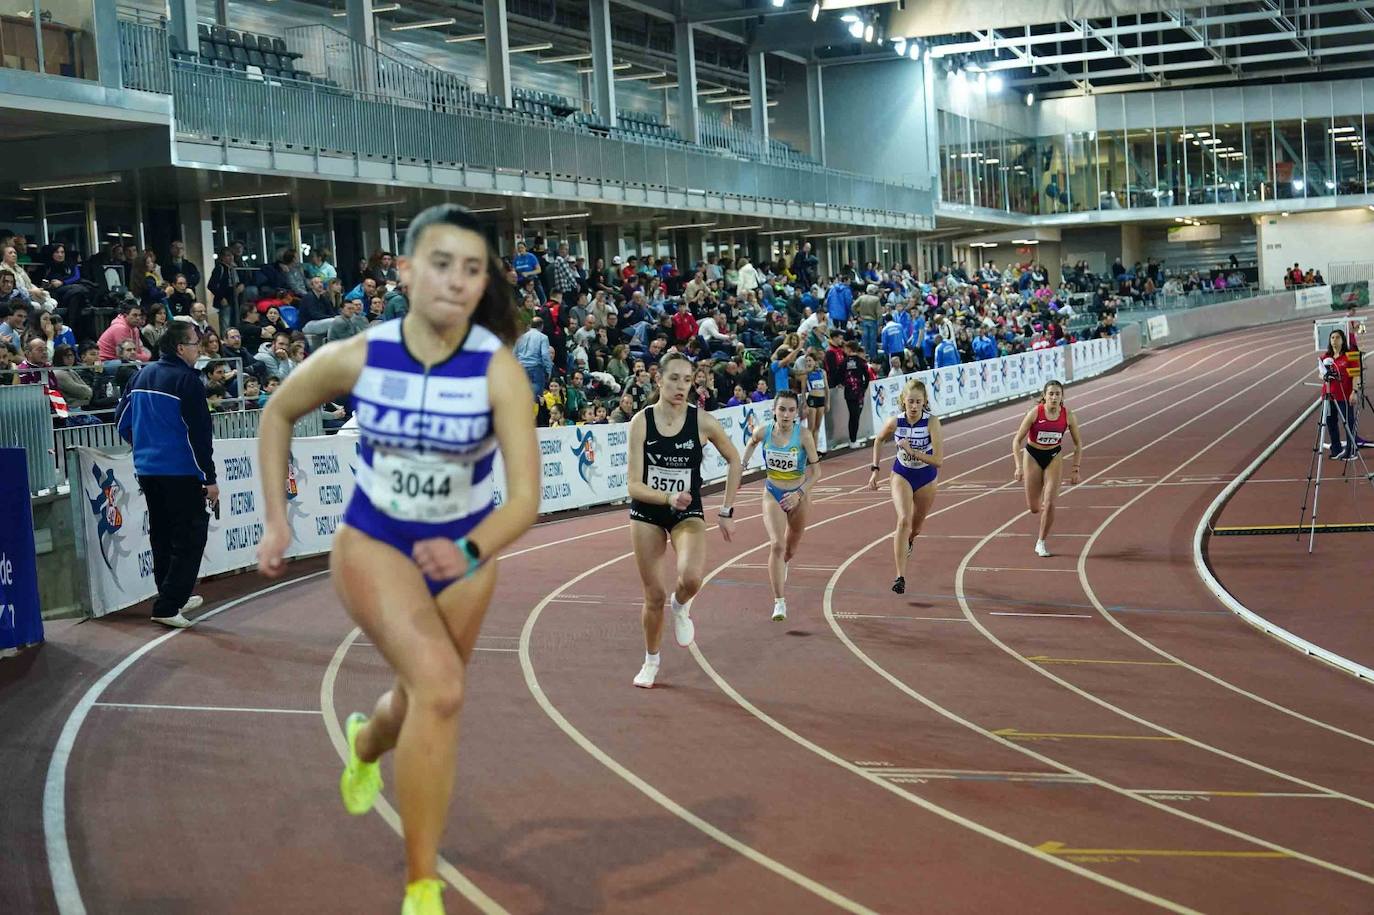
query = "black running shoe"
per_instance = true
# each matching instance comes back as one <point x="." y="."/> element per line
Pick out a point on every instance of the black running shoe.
<point x="899" y="585"/>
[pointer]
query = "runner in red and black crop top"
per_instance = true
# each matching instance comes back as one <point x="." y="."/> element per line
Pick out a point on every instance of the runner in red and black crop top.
<point x="1041" y="437"/>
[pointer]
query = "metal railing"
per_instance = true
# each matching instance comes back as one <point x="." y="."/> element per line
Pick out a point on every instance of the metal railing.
<point x="28" y="421"/>
<point x="330" y="54"/>
<point x="144" y="57"/>
<point x="227" y="107"/>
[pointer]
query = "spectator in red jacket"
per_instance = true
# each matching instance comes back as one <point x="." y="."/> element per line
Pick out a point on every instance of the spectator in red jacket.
<point x="684" y="325"/>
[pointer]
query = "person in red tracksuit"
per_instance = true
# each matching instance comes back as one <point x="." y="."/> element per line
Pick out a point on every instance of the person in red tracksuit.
<point x="1338" y="387"/>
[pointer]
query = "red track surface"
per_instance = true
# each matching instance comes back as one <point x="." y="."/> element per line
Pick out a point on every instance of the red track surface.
<point x="876" y="752"/>
<point x="1309" y="594"/>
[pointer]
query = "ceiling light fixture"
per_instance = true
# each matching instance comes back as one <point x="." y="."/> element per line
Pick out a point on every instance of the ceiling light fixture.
<point x="914" y="50"/>
<point x="247" y="197"/>
<point x="899" y="45"/>
<point x="652" y="74"/>
<point x="75" y="182"/>
<point x="379" y="8"/>
<point x="995" y="84"/>
<point x="687" y="225"/>
<point x="424" y="24"/>
<point x="540" y="46"/>
<point x="614" y="67"/>
<point x="760" y="226"/>
<point x="868" y="33"/>
<point x="714" y="90"/>
<point x="1030" y="99"/>
<point x="555" y="217"/>
<point x="778" y="4"/>
<point x="815" y="11"/>
<point x="856" y="29"/>
<point x="474" y="36"/>
<point x="565" y="58"/>
<point x="795" y="230"/>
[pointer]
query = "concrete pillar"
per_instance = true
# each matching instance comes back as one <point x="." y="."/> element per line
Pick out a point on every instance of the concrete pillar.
<point x="183" y="24"/>
<point x="1132" y="245"/>
<point x="688" y="125"/>
<point x="603" y="82"/>
<point x="758" y="97"/>
<point x="815" y="111"/>
<point x="107" y="52"/>
<point x="222" y="12"/>
<point x="362" y="28"/>
<point x="498" y="50"/>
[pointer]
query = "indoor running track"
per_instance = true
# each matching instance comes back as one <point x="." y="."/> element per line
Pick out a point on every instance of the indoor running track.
<point x="1086" y="733"/>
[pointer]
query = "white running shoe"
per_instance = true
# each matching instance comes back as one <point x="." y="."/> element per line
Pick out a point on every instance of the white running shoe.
<point x="176" y="622"/>
<point x="645" y="678"/>
<point x="1042" y="550"/>
<point x="683" y="627"/>
<point x="779" y="610"/>
<point x="194" y="602"/>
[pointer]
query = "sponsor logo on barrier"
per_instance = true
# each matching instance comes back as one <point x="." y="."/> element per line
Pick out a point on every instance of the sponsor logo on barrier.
<point x="7" y="607"/>
<point x="585" y="452"/>
<point x="107" y="508"/>
<point x="749" y="423"/>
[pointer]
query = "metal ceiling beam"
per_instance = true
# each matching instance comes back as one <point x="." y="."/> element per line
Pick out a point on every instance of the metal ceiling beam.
<point x="699" y="11"/>
<point x="1197" y="80"/>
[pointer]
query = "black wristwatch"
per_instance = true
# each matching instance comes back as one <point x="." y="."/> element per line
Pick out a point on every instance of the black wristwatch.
<point x="471" y="549"/>
<point x="726" y="512"/>
<point x="872" y="466"/>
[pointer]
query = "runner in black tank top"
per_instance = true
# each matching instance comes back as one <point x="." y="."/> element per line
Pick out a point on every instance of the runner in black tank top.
<point x="666" y="441"/>
<point x="672" y="464"/>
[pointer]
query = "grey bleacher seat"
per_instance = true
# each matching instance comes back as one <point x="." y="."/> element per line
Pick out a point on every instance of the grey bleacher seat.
<point x="279" y="46"/>
<point x="250" y="41"/>
<point x="203" y="30"/>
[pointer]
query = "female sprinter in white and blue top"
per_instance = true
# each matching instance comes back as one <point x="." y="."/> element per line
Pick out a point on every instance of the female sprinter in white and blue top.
<point x="435" y="395"/>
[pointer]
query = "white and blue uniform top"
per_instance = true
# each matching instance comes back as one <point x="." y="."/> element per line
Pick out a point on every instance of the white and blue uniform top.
<point x="427" y="444"/>
<point x="917" y="435"/>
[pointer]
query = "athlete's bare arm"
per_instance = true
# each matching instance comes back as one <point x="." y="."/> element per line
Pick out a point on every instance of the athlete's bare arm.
<point x="327" y="375"/>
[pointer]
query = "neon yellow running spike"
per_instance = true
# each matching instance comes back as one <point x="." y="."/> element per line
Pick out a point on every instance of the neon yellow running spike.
<point x="361" y="782"/>
<point x="423" y="898"/>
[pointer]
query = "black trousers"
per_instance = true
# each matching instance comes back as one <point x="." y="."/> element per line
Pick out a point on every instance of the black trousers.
<point x="856" y="408"/>
<point x="178" y="527"/>
<point x="1340" y="419"/>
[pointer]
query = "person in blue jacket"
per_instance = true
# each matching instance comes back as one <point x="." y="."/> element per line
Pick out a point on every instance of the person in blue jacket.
<point x="946" y="353"/>
<point x="839" y="303"/>
<point x="893" y="336"/>
<point x="165" y="416"/>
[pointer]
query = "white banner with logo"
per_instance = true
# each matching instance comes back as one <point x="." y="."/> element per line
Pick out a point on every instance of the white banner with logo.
<point x="1157" y="327"/>
<point x="114" y="529"/>
<point x="957" y="389"/>
<point x="1093" y="357"/>
<point x="1310" y="298"/>
<point x="579" y="466"/>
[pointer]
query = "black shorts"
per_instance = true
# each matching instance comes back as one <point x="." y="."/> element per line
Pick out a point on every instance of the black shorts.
<point x="816" y="403"/>
<point x="664" y="516"/>
<point x="1043" y="456"/>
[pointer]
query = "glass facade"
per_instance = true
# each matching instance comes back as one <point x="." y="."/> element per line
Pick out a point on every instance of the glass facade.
<point x="56" y="37"/>
<point x="1165" y="149"/>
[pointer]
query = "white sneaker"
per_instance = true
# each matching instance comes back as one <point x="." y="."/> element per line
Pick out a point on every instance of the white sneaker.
<point x="779" y="610"/>
<point x="683" y="628"/>
<point x="194" y="602"/>
<point x="1042" y="550"/>
<point x="645" y="678"/>
<point x="176" y="622"/>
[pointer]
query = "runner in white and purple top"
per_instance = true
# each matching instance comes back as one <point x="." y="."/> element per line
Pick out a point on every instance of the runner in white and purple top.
<point x="427" y="446"/>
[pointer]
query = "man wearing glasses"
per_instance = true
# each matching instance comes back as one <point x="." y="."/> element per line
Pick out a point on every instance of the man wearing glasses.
<point x="164" y="415"/>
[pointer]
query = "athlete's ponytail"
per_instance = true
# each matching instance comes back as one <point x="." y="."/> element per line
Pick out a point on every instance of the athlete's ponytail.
<point x="1052" y="383"/>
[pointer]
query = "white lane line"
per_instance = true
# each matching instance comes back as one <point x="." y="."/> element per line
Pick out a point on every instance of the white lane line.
<point x="884" y="616"/>
<point x="469" y="890"/>
<point x="208" y="708"/>
<point x="1204" y="571"/>
<point x="480" y="648"/>
<point x="1241" y="794"/>
<point x="961" y="596"/>
<point x="1066" y="616"/>
<point x="1012" y="569"/>
<point x="61" y="870"/>
<point x="827" y="609"/>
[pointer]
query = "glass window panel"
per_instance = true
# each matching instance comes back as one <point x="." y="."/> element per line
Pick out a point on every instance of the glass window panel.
<point x="65" y="36"/>
<point x="1054" y="175"/>
<point x="1228" y="164"/>
<point x="1142" y="168"/>
<point x="1169" y="145"/>
<point x="1288" y="170"/>
<point x="1347" y="166"/>
<point x="1321" y="178"/>
<point x="67" y="224"/>
<point x="1259" y="146"/>
<point x="1113" y="170"/>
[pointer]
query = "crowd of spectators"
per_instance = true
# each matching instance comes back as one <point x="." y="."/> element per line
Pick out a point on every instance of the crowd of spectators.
<point x="597" y="333"/>
<point x="592" y="334"/>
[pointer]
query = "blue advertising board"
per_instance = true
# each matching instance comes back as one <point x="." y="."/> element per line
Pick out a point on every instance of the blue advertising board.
<point x="21" y="623"/>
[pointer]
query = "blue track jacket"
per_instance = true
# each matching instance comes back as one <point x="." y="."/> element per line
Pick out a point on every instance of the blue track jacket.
<point x="165" y="416"/>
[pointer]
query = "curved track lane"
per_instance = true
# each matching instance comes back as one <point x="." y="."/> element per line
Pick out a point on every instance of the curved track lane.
<point x="1090" y="732"/>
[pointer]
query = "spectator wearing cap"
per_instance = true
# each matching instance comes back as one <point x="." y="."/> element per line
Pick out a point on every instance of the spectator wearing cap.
<point x="166" y="418"/>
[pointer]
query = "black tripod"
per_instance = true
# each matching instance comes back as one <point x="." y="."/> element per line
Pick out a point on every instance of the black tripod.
<point x="1314" y="470"/>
